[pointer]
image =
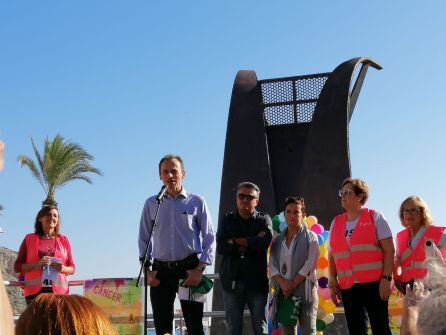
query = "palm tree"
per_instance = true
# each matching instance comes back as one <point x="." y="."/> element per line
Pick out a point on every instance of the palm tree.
<point x="61" y="162"/>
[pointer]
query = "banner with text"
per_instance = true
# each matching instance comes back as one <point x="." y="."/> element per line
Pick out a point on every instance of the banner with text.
<point x="121" y="300"/>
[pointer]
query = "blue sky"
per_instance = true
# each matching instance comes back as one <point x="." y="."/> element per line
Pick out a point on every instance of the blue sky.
<point x="133" y="80"/>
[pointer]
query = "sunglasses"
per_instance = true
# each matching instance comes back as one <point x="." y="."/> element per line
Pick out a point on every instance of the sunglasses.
<point x="248" y="197"/>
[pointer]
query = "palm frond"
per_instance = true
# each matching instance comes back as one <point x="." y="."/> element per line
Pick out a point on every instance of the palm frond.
<point x="77" y="170"/>
<point x="38" y="157"/>
<point x="61" y="162"/>
<point x="24" y="160"/>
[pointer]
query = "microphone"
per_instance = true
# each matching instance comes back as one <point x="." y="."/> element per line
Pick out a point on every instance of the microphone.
<point x="161" y="194"/>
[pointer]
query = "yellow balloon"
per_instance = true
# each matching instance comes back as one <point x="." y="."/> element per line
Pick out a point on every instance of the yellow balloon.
<point x="320" y="304"/>
<point x="329" y="307"/>
<point x="311" y="220"/>
<point x="323" y="250"/>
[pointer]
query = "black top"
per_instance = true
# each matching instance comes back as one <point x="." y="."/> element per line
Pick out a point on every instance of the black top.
<point x="251" y="267"/>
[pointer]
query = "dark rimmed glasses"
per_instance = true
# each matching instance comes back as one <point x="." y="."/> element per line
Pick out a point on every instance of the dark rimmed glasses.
<point x="345" y="192"/>
<point x="411" y="211"/>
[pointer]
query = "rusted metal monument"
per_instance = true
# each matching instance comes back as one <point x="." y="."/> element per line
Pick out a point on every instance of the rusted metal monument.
<point x="290" y="137"/>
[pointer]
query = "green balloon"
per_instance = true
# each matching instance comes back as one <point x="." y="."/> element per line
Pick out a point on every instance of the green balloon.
<point x="276" y="223"/>
<point x="320" y="325"/>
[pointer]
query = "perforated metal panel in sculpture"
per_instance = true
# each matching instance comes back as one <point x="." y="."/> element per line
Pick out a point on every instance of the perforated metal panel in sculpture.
<point x="291" y="100"/>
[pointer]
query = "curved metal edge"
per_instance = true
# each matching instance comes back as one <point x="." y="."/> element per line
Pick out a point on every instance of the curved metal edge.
<point x="246" y="150"/>
<point x="326" y="158"/>
<point x="246" y="158"/>
<point x="353" y="97"/>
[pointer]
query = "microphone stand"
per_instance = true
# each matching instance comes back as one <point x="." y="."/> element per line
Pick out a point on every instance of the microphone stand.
<point x="159" y="200"/>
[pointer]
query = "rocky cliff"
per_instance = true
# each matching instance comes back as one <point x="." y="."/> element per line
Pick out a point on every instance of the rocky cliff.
<point x="7" y="259"/>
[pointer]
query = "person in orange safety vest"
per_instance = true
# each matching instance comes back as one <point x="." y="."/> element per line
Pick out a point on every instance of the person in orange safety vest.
<point x="419" y="239"/>
<point x="360" y="261"/>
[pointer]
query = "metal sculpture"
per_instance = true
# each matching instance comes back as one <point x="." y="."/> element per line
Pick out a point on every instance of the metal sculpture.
<point x="290" y="137"/>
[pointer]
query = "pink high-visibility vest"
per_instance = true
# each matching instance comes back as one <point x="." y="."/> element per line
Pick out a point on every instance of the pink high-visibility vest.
<point x="363" y="261"/>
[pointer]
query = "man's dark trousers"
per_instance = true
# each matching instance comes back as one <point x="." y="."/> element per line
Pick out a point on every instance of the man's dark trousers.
<point x="163" y="296"/>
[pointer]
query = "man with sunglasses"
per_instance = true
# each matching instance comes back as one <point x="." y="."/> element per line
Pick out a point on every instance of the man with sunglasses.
<point x="243" y="238"/>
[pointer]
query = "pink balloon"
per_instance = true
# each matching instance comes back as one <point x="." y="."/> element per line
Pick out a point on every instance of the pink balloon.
<point x="317" y="228"/>
<point x="324" y="292"/>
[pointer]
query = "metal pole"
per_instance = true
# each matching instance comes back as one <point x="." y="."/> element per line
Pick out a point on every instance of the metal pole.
<point x="143" y="265"/>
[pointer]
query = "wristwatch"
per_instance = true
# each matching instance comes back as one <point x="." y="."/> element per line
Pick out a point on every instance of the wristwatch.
<point x="389" y="278"/>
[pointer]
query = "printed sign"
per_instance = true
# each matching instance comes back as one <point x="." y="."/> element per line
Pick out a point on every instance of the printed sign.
<point x="121" y="300"/>
<point x="49" y="275"/>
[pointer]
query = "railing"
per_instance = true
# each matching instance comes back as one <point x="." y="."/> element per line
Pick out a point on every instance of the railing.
<point x="16" y="283"/>
<point x="177" y="316"/>
<point x="213" y="276"/>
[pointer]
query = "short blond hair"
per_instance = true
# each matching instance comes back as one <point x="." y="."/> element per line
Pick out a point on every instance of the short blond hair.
<point x="426" y="218"/>
<point x="359" y="187"/>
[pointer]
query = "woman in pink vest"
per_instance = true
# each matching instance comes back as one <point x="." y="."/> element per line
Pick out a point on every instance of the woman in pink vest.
<point x="419" y="239"/>
<point x="45" y="257"/>
<point x="360" y="261"/>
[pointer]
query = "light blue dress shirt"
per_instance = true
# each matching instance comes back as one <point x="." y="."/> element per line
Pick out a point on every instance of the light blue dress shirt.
<point x="183" y="227"/>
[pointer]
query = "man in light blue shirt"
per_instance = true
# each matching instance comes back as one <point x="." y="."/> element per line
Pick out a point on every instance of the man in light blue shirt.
<point x="181" y="246"/>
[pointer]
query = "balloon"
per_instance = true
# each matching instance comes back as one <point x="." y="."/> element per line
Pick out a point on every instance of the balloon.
<point x="324" y="293"/>
<point x="320" y="303"/>
<point x="317" y="228"/>
<point x="321" y="314"/>
<point x="322" y="249"/>
<point x="325" y="234"/>
<point x="311" y="220"/>
<point x="329" y="306"/>
<point x="279" y="223"/>
<point x="320" y="239"/>
<point x="320" y="325"/>
<point x="329" y="318"/>
<point x="276" y="223"/>
<point x="322" y="272"/>
<point x="323" y="281"/>
<point x="322" y="263"/>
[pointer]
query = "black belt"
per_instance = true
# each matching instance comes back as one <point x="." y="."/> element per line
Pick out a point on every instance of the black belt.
<point x="183" y="264"/>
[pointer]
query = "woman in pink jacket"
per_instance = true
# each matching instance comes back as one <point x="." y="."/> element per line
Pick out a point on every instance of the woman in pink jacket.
<point x="45" y="257"/>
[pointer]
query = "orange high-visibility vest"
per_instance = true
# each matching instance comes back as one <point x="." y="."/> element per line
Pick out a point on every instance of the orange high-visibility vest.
<point x="412" y="262"/>
<point x="32" y="283"/>
<point x="363" y="261"/>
